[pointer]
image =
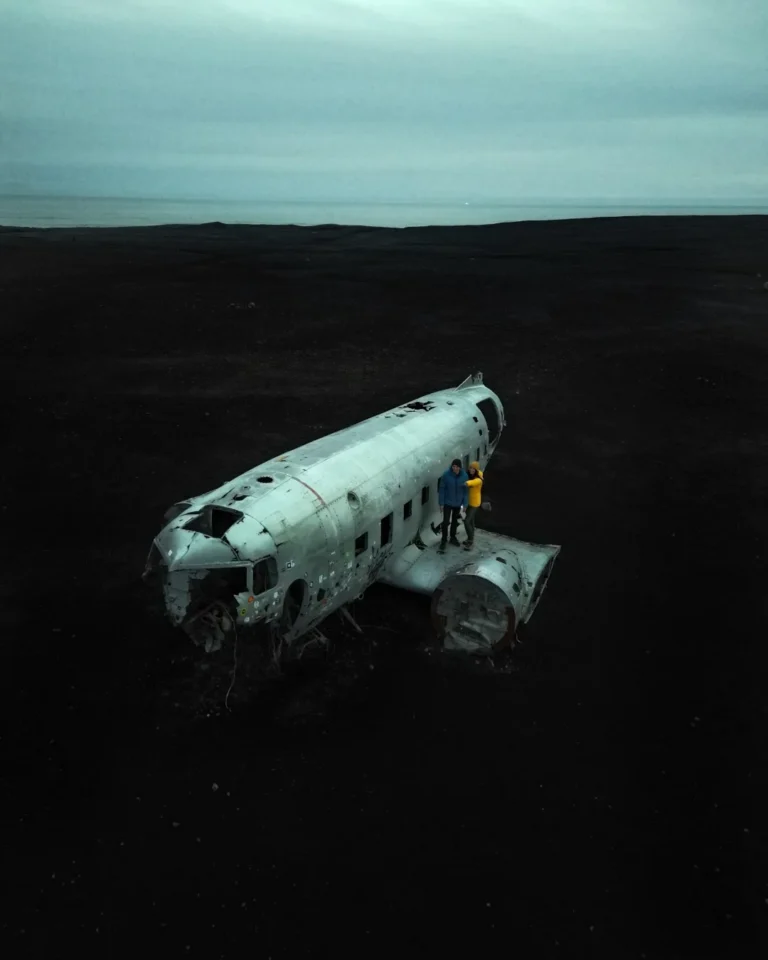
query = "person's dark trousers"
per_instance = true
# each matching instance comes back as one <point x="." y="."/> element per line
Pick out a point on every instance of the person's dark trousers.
<point x="451" y="516"/>
<point x="469" y="524"/>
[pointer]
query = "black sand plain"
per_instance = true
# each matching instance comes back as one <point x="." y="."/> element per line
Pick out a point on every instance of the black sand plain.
<point x="600" y="793"/>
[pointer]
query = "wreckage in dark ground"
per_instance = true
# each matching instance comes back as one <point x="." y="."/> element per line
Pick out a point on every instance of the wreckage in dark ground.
<point x="275" y="551"/>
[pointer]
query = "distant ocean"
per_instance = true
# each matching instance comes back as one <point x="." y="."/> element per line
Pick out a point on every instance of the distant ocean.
<point x="130" y="212"/>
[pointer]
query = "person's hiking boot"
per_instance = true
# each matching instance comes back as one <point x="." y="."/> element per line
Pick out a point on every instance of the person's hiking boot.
<point x="441" y="548"/>
<point x="454" y="542"/>
<point x="468" y="545"/>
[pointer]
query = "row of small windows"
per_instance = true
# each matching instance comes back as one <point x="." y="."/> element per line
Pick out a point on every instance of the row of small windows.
<point x="488" y="408"/>
<point x="265" y="572"/>
<point x="361" y="543"/>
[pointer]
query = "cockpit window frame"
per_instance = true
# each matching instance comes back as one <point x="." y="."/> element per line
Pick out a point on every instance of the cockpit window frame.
<point x="270" y="564"/>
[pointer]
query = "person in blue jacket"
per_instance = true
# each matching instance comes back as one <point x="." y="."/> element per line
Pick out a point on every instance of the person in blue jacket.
<point x="453" y="495"/>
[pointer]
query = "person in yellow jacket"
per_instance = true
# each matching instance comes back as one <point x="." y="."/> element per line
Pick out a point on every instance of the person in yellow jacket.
<point x="475" y="487"/>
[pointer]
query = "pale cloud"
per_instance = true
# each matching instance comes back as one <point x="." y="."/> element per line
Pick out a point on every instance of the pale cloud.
<point x="657" y="98"/>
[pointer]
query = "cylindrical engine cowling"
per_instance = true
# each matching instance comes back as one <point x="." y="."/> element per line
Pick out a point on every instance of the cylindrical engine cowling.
<point x="476" y="609"/>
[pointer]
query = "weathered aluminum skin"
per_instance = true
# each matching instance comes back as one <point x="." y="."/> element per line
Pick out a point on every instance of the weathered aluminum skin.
<point x="314" y="516"/>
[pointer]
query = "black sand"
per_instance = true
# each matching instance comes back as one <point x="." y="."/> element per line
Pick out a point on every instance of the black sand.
<point x="601" y="796"/>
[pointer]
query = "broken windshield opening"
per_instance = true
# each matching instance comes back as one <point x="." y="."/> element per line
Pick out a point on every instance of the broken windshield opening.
<point x="213" y="521"/>
<point x="222" y="583"/>
<point x="264" y="575"/>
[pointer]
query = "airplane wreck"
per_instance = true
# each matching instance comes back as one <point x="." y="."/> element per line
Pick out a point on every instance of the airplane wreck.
<point x="274" y="552"/>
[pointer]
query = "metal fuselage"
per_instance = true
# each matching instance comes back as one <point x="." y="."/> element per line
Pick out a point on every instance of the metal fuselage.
<point x="296" y="538"/>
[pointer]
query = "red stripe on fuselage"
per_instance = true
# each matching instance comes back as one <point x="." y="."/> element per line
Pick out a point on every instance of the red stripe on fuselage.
<point x="313" y="491"/>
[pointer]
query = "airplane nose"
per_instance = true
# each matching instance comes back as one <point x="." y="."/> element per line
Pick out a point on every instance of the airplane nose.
<point x="185" y="548"/>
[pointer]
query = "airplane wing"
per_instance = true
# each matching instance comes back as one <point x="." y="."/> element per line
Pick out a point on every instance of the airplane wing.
<point x="479" y="596"/>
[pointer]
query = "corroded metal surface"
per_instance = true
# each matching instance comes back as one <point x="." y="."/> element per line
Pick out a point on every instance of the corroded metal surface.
<point x="300" y="536"/>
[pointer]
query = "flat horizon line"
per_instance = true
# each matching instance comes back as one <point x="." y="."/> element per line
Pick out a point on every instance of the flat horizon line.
<point x="528" y="202"/>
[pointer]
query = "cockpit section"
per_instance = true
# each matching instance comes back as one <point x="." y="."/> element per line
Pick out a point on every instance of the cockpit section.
<point x="209" y="602"/>
<point x="212" y="582"/>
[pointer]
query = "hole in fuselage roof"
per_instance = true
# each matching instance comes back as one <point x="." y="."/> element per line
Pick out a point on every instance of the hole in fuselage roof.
<point x="265" y="479"/>
<point x="213" y="521"/>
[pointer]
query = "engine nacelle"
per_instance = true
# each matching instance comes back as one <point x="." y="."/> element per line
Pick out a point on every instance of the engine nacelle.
<point x="477" y="608"/>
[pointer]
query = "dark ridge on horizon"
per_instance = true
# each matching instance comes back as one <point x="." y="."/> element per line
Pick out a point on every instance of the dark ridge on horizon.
<point x="511" y="224"/>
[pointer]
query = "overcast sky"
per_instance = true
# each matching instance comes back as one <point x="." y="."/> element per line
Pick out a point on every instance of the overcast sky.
<point x="385" y="99"/>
